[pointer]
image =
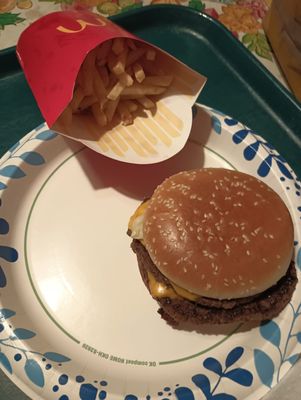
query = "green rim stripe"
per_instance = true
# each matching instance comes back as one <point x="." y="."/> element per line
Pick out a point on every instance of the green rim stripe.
<point x="217" y="154"/>
<point x="203" y="351"/>
<point x="25" y="245"/>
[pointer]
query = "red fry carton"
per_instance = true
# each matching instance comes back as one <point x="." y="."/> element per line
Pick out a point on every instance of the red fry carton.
<point x="54" y="51"/>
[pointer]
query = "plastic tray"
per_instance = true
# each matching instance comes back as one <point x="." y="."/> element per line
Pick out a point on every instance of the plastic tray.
<point x="237" y="85"/>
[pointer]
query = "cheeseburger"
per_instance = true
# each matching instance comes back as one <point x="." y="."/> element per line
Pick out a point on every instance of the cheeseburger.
<point x="215" y="246"/>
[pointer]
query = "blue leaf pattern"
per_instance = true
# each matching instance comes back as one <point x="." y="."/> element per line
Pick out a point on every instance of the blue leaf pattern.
<point x="2" y="186"/>
<point x="251" y="151"/>
<point x="4" y="227"/>
<point x="284" y="170"/>
<point x="213" y="365"/>
<point x="22" y="334"/>
<point x="184" y="393"/>
<point x="240" y="135"/>
<point x="270" y="331"/>
<point x="216" y="124"/>
<point x="2" y="278"/>
<point x="32" y="158"/>
<point x="56" y="357"/>
<point x="230" y="121"/>
<point x="5" y="363"/>
<point x="8" y="253"/>
<point x="12" y="171"/>
<point x="264" y="366"/>
<point x="223" y="396"/>
<point x="34" y="372"/>
<point x="241" y="376"/>
<point x="234" y="356"/>
<point x="203" y="383"/>
<point x="5" y="313"/>
<point x="265" y="166"/>
<point x="46" y="135"/>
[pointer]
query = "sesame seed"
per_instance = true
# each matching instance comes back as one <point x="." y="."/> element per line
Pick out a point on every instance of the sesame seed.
<point x="248" y="252"/>
<point x="271" y="236"/>
<point x="246" y="238"/>
<point x="264" y="260"/>
<point x="278" y="256"/>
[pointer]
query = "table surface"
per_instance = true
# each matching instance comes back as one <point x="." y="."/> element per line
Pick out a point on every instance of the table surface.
<point x="242" y="17"/>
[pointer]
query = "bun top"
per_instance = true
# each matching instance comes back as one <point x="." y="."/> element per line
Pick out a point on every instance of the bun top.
<point x="218" y="233"/>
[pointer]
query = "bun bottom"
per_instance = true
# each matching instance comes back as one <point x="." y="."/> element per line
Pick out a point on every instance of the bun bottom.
<point x="178" y="310"/>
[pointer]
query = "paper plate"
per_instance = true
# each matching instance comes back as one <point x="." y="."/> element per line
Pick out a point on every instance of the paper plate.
<point x="76" y="319"/>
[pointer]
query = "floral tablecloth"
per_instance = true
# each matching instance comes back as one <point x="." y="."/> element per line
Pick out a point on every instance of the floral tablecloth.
<point x="242" y="17"/>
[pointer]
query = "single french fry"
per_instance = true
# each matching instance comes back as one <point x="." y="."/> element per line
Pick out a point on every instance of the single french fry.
<point x="78" y="96"/>
<point x="134" y="55"/>
<point x="138" y="72"/>
<point x="116" y="91"/>
<point x="102" y="52"/>
<point x="87" y="78"/>
<point x="99" y="115"/>
<point x="103" y="72"/>
<point x="140" y="89"/>
<point x="150" y="55"/>
<point x="131" y="105"/>
<point x="125" y="115"/>
<point x="110" y="108"/>
<point x="122" y="57"/>
<point x="126" y="79"/>
<point x="131" y="44"/>
<point x="161" y="80"/>
<point x="115" y="64"/>
<point x="146" y="102"/>
<point x="118" y="46"/>
<point x="99" y="88"/>
<point x="87" y="102"/>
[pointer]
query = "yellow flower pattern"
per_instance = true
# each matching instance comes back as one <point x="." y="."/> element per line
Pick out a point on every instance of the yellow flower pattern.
<point x="239" y="19"/>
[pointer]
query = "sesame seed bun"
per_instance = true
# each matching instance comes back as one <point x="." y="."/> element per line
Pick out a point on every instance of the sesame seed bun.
<point x="218" y="233"/>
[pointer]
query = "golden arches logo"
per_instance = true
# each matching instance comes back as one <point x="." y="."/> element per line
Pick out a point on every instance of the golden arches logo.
<point x="83" y="25"/>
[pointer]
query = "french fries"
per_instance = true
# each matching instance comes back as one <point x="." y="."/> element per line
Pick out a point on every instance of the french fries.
<point x="116" y="81"/>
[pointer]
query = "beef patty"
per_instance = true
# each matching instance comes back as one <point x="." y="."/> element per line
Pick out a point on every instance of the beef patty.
<point x="263" y="306"/>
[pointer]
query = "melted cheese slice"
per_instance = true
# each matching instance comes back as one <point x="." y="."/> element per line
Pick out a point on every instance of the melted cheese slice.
<point x="157" y="289"/>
